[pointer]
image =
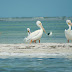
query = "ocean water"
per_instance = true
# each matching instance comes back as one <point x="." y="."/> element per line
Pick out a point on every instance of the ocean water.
<point x="16" y="31"/>
<point x="36" y="65"/>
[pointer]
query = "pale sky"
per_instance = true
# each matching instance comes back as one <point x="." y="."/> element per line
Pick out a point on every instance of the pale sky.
<point x="35" y="8"/>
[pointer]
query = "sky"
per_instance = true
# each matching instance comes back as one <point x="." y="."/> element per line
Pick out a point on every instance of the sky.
<point x="35" y="8"/>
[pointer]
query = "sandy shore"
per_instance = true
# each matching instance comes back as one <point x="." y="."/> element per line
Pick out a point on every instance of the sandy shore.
<point x="39" y="50"/>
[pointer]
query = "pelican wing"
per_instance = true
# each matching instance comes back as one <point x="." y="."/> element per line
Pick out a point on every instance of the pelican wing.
<point x="32" y="35"/>
<point x="68" y="34"/>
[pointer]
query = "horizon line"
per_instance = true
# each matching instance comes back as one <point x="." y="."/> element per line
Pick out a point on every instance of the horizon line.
<point x="36" y="16"/>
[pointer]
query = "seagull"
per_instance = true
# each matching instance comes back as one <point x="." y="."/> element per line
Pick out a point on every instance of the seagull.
<point x="68" y="33"/>
<point x="36" y="35"/>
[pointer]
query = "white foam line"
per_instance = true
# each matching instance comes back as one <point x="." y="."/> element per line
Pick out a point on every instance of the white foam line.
<point x="33" y="54"/>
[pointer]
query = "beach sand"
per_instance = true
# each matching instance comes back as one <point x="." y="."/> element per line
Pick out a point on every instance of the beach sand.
<point x="36" y="50"/>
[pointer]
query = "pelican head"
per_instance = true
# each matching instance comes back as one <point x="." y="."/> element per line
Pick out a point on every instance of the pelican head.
<point x="28" y="29"/>
<point x="68" y="22"/>
<point x="39" y="24"/>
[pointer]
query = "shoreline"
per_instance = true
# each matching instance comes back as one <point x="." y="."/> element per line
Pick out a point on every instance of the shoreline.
<point x="36" y="50"/>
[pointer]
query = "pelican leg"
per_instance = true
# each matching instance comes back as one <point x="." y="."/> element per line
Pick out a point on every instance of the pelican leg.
<point x="68" y="41"/>
<point x="39" y="41"/>
<point x="30" y="41"/>
<point x="34" y="41"/>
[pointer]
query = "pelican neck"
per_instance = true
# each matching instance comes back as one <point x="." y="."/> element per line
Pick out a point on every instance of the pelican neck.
<point x="69" y="27"/>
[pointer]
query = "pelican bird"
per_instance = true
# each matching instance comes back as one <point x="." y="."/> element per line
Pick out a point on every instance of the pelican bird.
<point x="36" y="35"/>
<point x="68" y="33"/>
<point x="28" y="29"/>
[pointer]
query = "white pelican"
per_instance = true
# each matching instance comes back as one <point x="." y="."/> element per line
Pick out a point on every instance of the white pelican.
<point x="36" y="35"/>
<point x="68" y="33"/>
<point x="29" y="32"/>
<point x="28" y="29"/>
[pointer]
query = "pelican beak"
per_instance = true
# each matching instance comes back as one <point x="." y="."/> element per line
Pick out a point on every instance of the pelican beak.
<point x="43" y="29"/>
<point x="70" y="23"/>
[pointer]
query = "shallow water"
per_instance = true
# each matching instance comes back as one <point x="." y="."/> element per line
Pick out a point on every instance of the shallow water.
<point x="36" y="65"/>
<point x="16" y="31"/>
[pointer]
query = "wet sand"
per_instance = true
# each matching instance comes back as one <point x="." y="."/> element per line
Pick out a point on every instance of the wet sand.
<point x="42" y="49"/>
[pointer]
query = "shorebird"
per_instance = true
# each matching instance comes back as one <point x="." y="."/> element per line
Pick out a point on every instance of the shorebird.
<point x="68" y="32"/>
<point x="36" y="35"/>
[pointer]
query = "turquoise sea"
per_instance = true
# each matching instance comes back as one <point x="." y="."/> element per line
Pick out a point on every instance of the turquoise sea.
<point x="16" y="31"/>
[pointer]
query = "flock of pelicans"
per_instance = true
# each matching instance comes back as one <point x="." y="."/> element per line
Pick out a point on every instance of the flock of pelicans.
<point x="36" y="35"/>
